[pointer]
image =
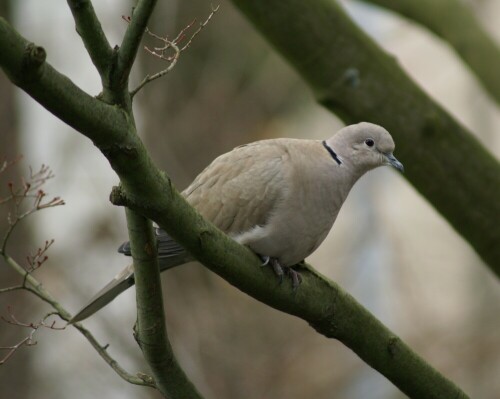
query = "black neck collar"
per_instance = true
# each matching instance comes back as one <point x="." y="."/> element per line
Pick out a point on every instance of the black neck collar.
<point x="332" y="153"/>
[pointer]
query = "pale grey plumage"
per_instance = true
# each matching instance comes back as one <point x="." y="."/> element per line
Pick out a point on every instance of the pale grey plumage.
<point x="279" y="197"/>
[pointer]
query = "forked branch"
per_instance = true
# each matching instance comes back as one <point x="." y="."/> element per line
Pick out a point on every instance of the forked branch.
<point x="18" y="198"/>
<point x="170" y="50"/>
<point x="29" y="340"/>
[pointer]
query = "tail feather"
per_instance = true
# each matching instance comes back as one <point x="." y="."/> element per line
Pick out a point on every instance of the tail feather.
<point x="170" y="254"/>
<point x="122" y="281"/>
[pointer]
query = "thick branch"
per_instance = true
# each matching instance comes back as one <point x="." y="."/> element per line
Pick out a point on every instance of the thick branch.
<point x="353" y="77"/>
<point x="319" y="301"/>
<point x="150" y="331"/>
<point x="90" y="30"/>
<point x="455" y="23"/>
<point x="24" y="63"/>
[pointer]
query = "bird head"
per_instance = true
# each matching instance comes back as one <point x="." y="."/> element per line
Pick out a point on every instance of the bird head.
<point x="364" y="146"/>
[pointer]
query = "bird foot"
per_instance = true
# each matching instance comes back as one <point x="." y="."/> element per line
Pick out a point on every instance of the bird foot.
<point x="265" y="260"/>
<point x="282" y="271"/>
<point x="295" y="277"/>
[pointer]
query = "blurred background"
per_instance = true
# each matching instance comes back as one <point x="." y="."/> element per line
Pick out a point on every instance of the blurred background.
<point x="389" y="247"/>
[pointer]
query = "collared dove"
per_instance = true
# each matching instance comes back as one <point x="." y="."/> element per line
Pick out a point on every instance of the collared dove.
<point x="279" y="197"/>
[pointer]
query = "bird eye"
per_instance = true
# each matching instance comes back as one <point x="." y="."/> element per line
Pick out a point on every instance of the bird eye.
<point x="369" y="142"/>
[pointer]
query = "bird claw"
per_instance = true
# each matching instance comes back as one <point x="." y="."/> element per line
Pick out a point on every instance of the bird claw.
<point x="280" y="271"/>
<point x="295" y="277"/>
<point x="265" y="260"/>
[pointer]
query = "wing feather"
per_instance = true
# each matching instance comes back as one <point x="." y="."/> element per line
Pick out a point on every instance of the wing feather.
<point x="240" y="189"/>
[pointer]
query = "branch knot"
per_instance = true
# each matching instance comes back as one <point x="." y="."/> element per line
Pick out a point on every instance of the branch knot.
<point x="117" y="196"/>
<point x="34" y="58"/>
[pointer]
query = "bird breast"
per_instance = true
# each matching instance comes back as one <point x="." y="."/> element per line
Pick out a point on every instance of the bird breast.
<point x="312" y="194"/>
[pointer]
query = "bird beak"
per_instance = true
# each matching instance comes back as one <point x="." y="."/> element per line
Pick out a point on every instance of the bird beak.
<point x="392" y="161"/>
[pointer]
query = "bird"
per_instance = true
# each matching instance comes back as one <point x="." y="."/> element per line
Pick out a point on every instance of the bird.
<point x="279" y="197"/>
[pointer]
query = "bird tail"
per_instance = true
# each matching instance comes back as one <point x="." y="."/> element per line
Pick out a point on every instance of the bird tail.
<point x="122" y="281"/>
<point x="170" y="254"/>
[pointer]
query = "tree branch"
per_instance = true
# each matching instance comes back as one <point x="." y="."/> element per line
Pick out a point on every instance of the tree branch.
<point x="24" y="63"/>
<point x="113" y="130"/>
<point x="351" y="76"/>
<point x="131" y="42"/>
<point x="150" y="329"/>
<point x="35" y="287"/>
<point x="454" y="22"/>
<point x="319" y="301"/>
<point x="138" y="379"/>
<point x="174" y="45"/>
<point x="93" y="37"/>
<point x="10" y="289"/>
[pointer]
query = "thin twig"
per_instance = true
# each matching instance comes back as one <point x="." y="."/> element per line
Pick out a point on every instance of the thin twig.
<point x="13" y="288"/>
<point x="173" y="45"/>
<point x="12" y="349"/>
<point x="35" y="287"/>
<point x="7" y="164"/>
<point x="38" y="258"/>
<point x="29" y="188"/>
<point x="28" y="340"/>
<point x="202" y="25"/>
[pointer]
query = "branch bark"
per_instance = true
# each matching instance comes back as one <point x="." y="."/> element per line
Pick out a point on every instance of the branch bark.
<point x="351" y="76"/>
<point x="150" y="330"/>
<point x="319" y="301"/>
<point x="454" y="22"/>
<point x="110" y="127"/>
<point x="25" y="65"/>
<point x="130" y="43"/>
<point x="90" y="30"/>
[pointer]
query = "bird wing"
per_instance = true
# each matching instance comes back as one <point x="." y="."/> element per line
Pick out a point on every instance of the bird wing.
<point x="240" y="189"/>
